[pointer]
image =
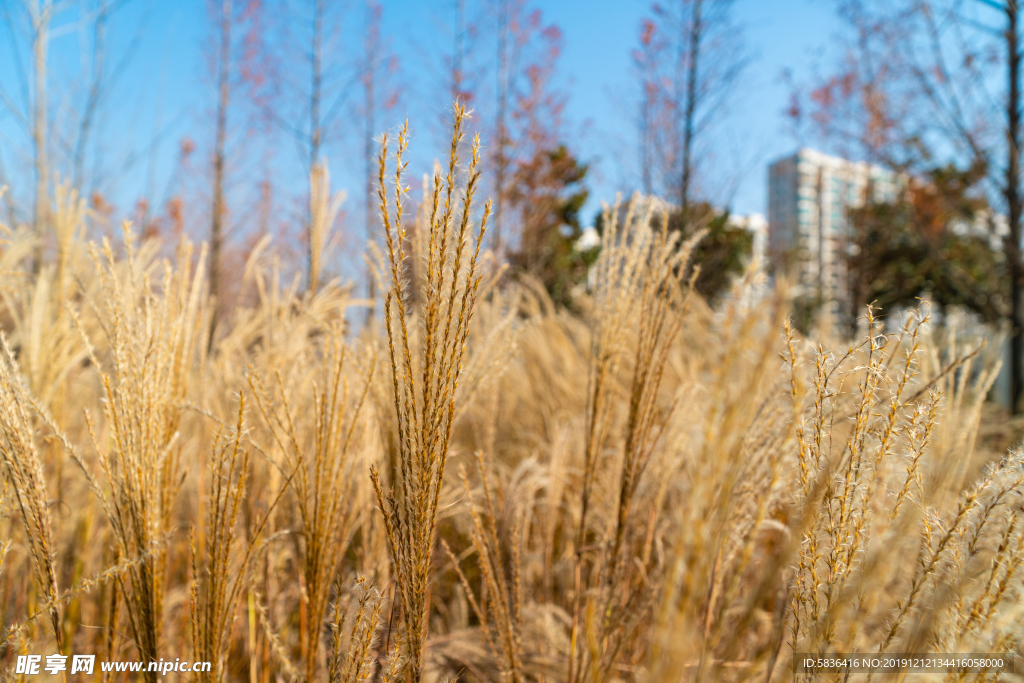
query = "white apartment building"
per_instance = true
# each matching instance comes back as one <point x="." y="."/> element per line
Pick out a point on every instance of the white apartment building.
<point x="809" y="195"/>
<point x="758" y="227"/>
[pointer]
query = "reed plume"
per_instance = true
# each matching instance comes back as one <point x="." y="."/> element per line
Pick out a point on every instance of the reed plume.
<point x="24" y="473"/>
<point x="152" y="335"/>
<point x="425" y="384"/>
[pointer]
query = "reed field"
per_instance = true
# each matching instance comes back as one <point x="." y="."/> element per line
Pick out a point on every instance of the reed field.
<point x="461" y="480"/>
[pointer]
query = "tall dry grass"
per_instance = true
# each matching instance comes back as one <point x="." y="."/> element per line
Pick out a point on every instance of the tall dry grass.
<point x="425" y="371"/>
<point x="477" y="484"/>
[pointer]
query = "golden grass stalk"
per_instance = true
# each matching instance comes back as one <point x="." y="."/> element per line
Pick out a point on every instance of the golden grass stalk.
<point x="501" y="601"/>
<point x="320" y="449"/>
<point x="152" y="334"/>
<point x="215" y="591"/>
<point x="41" y="331"/>
<point x="323" y="209"/>
<point x="68" y="224"/>
<point x="354" y="634"/>
<point x="23" y="471"/>
<point x="639" y="282"/>
<point x="731" y="462"/>
<point x="424" y="385"/>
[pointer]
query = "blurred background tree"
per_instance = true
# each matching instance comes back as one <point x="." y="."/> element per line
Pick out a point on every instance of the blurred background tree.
<point x="723" y="252"/>
<point x="548" y="192"/>
<point x="688" y="62"/>
<point x="933" y="241"/>
<point x="530" y="102"/>
<point x="690" y="57"/>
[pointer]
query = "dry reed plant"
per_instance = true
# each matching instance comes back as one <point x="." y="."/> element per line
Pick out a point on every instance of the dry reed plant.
<point x="321" y="466"/>
<point x="871" y="496"/>
<point x="501" y="579"/>
<point x="215" y="591"/>
<point x="650" y="490"/>
<point x="151" y="333"/>
<point x="424" y="387"/>
<point x="23" y="471"/>
<point x="323" y="209"/>
<point x="354" y="636"/>
<point x="638" y="283"/>
<point x="809" y="552"/>
<point x="41" y="329"/>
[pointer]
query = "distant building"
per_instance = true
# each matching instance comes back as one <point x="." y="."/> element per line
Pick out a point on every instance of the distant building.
<point x="756" y="286"/>
<point x="809" y="196"/>
<point x="758" y="227"/>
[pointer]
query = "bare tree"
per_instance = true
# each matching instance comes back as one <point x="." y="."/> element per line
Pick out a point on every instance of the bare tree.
<point x="310" y="102"/>
<point x="371" y="49"/>
<point x="501" y="140"/>
<point x="691" y="39"/>
<point x="463" y="68"/>
<point x="1014" y="203"/>
<point x="40" y="14"/>
<point x="689" y="58"/>
<point x="101" y="81"/>
<point x="299" y="96"/>
<point x="34" y="21"/>
<point x="226" y="20"/>
<point x="315" y="129"/>
<point x="95" y="89"/>
<point x="378" y="69"/>
<point x="529" y="102"/>
<point x="53" y="137"/>
<point x="645" y="61"/>
<point x="316" y="84"/>
<point x="59" y="141"/>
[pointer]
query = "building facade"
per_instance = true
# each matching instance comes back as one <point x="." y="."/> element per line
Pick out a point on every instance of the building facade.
<point x="809" y="198"/>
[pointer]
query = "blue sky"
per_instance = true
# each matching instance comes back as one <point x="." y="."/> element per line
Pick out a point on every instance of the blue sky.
<point x="165" y="92"/>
